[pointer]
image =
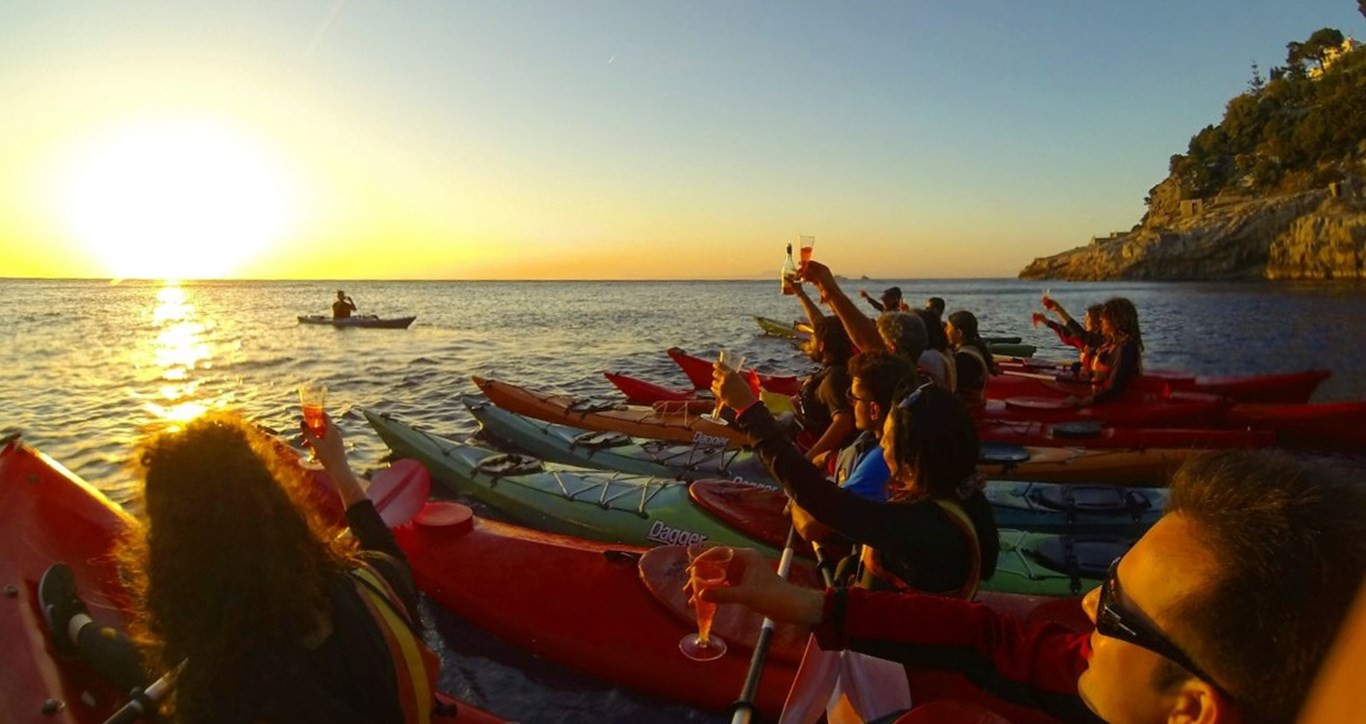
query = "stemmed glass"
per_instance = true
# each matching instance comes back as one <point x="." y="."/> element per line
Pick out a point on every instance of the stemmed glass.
<point x="732" y="362"/>
<point x="707" y="563"/>
<point x="313" y="400"/>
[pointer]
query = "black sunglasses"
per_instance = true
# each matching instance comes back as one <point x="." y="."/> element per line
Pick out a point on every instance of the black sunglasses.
<point x="1117" y="622"/>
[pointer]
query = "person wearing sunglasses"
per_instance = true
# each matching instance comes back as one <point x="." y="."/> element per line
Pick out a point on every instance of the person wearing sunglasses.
<point x="1221" y="612"/>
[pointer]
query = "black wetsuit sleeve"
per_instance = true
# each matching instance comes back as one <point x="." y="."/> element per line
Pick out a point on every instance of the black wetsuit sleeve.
<point x="971" y="374"/>
<point x="876" y="305"/>
<point x="380" y="550"/>
<point x="1083" y="338"/>
<point x="1123" y="368"/>
<point x="898" y="530"/>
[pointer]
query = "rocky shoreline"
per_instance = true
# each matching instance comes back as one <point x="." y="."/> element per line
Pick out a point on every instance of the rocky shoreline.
<point x="1314" y="234"/>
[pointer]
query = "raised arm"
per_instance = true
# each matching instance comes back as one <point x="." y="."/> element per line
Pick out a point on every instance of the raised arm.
<point x="813" y="312"/>
<point x="869" y="298"/>
<point x="861" y="329"/>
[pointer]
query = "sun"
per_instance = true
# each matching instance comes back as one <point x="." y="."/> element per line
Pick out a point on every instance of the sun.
<point x="176" y="198"/>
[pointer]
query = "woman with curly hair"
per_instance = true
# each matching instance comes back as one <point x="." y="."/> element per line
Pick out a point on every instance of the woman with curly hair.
<point x="240" y="585"/>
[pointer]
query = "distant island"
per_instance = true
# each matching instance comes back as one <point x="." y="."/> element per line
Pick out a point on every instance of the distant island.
<point x="1276" y="190"/>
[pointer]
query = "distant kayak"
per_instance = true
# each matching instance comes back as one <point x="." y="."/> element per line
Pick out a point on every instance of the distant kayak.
<point x="368" y="320"/>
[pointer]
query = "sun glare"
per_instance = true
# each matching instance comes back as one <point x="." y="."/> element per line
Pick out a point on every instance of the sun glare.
<point x="175" y="198"/>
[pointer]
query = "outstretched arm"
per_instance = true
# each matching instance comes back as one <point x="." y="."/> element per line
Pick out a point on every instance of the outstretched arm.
<point x="861" y="329"/>
<point x="868" y="298"/>
<point x="813" y="312"/>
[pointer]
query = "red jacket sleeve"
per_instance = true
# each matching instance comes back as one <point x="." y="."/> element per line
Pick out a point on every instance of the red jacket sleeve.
<point x="1047" y="656"/>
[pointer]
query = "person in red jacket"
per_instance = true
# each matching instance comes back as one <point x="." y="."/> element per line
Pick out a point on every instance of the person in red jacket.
<point x="1221" y="613"/>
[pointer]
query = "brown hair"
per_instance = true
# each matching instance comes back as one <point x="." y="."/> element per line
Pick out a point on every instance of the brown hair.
<point x="935" y="437"/>
<point x="1290" y="539"/>
<point x="230" y="561"/>
<point x="1123" y="317"/>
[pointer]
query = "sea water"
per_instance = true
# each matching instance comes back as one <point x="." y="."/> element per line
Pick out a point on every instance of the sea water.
<point x="92" y="366"/>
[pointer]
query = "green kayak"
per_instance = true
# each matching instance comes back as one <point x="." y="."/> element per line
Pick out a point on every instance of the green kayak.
<point x="615" y="451"/>
<point x="1044" y="564"/>
<point x="613" y="507"/>
<point x="1027" y="505"/>
<point x="774" y="328"/>
<point x="1013" y="350"/>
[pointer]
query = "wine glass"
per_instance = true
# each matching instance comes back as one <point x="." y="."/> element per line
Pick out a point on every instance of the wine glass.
<point x="733" y="362"/>
<point x="707" y="563"/>
<point x="313" y="400"/>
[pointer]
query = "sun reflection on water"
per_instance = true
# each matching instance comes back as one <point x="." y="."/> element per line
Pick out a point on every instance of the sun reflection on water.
<point x="180" y="348"/>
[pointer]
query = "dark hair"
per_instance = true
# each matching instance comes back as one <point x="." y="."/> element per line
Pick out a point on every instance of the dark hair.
<point x="936" y="305"/>
<point x="1093" y="311"/>
<point x="836" y="349"/>
<point x="936" y="438"/>
<point x="966" y="322"/>
<point x="892" y="293"/>
<point x="231" y="561"/>
<point x="934" y="329"/>
<point x="1123" y="317"/>
<point x="903" y="333"/>
<point x="1290" y="542"/>
<point x="883" y="373"/>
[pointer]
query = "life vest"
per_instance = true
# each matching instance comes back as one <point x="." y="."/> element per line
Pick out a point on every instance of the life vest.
<point x="872" y="562"/>
<point x="415" y="666"/>
<point x="974" y="397"/>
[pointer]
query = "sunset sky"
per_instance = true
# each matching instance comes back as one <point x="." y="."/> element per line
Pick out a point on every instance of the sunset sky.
<point x="595" y="140"/>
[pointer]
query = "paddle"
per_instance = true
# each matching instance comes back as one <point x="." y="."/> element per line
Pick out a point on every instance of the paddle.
<point x="744" y="706"/>
<point x="145" y="701"/>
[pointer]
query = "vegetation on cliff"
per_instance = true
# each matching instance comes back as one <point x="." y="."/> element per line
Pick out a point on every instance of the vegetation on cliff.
<point x="1302" y="128"/>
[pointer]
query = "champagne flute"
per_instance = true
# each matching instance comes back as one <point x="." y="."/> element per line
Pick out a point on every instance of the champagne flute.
<point x="707" y="563"/>
<point x="808" y="244"/>
<point x="733" y="362"/>
<point x="313" y="400"/>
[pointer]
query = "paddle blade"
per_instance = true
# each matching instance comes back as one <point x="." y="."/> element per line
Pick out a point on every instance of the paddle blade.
<point x="399" y="491"/>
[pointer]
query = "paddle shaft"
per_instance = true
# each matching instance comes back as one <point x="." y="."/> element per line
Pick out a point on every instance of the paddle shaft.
<point x="744" y="706"/>
<point x="145" y="701"/>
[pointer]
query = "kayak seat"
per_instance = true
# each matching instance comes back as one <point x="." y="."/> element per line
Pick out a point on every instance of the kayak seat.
<point x="1000" y="453"/>
<point x="504" y="465"/>
<point x="1081" y="557"/>
<point x="1077" y="429"/>
<point x="1090" y="500"/>
<point x="600" y="439"/>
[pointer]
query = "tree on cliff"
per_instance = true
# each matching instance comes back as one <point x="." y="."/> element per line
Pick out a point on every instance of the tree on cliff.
<point x="1315" y="48"/>
<point x="1293" y="133"/>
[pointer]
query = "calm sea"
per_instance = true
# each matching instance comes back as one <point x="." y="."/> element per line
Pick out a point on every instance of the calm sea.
<point x="91" y="366"/>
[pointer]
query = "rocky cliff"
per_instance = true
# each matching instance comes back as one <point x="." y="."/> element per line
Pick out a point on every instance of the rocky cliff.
<point x="1307" y="235"/>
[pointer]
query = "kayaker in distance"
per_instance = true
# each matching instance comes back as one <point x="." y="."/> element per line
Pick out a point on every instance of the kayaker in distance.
<point x="1183" y="626"/>
<point x="891" y="300"/>
<point x="343" y="307"/>
<point x="276" y="619"/>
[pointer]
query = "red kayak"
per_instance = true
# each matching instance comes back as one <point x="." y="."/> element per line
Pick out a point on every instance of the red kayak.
<point x="642" y="392"/>
<point x="1323" y="425"/>
<point x="699" y="373"/>
<point x="1180" y="410"/>
<point x="50" y="515"/>
<point x="1284" y="388"/>
<point x="1097" y="436"/>
<point x="617" y="613"/>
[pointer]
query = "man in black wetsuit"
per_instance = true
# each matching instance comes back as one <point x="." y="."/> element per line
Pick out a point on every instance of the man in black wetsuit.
<point x="343" y="307"/>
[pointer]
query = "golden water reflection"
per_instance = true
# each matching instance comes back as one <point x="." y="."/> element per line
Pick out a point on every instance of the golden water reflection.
<point x="180" y="348"/>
